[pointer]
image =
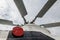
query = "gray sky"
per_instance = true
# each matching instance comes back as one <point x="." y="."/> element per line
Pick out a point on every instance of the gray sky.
<point x="9" y="11"/>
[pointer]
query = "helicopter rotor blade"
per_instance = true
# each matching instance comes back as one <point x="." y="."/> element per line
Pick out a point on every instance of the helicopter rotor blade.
<point x="21" y="7"/>
<point x="51" y="25"/>
<point x="6" y="22"/>
<point x="45" y="8"/>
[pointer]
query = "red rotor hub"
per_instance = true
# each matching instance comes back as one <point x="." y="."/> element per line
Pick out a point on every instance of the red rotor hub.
<point x="18" y="31"/>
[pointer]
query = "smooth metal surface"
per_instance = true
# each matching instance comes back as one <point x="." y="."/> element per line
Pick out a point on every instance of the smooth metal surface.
<point x="3" y="34"/>
<point x="32" y="27"/>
